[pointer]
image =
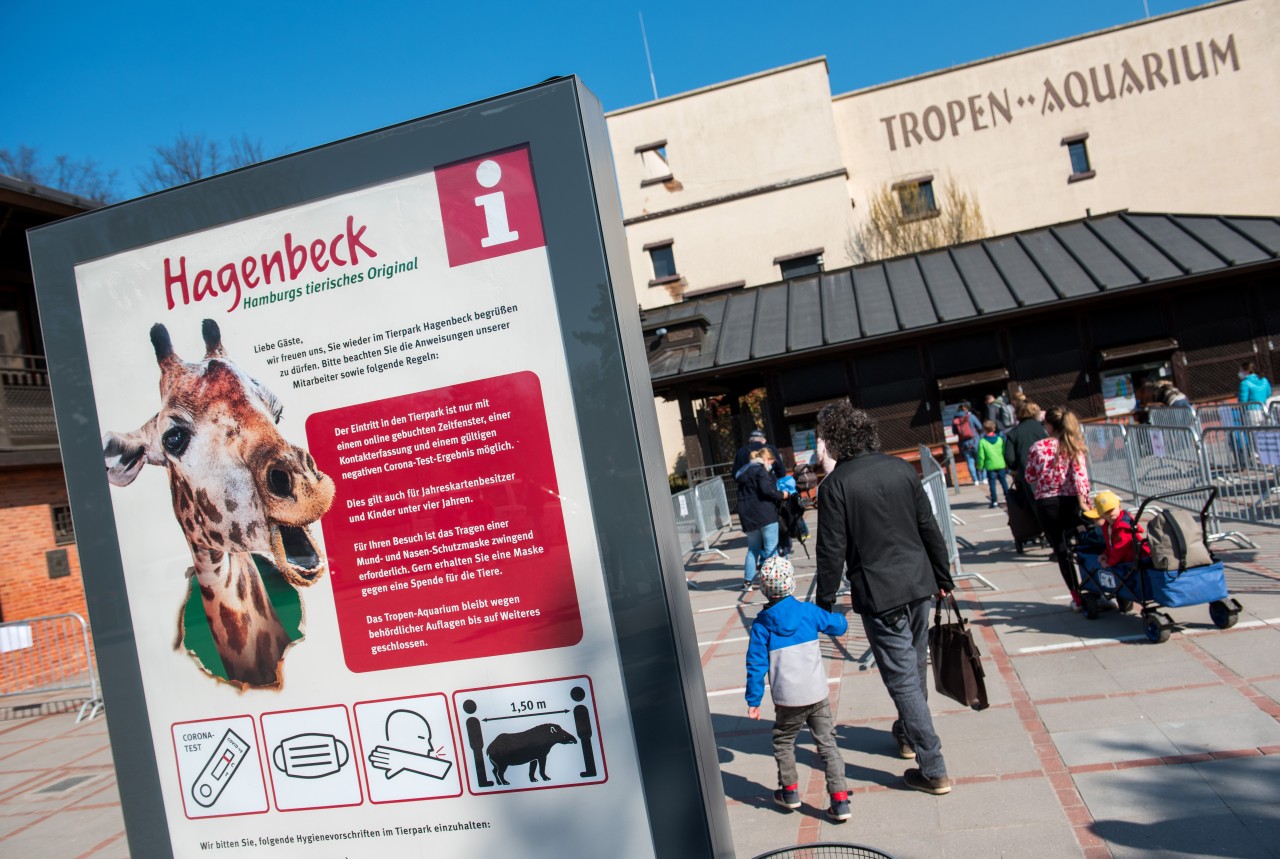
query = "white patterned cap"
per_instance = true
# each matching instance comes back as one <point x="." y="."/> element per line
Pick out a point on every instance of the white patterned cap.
<point x="776" y="578"/>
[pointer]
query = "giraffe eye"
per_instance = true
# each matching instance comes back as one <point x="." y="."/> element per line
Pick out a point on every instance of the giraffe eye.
<point x="175" y="440"/>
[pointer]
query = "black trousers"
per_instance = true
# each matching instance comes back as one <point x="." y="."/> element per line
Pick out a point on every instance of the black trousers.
<point x="1058" y="517"/>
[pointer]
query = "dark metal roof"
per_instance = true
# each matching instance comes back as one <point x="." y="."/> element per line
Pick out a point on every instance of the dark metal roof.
<point x="1001" y="275"/>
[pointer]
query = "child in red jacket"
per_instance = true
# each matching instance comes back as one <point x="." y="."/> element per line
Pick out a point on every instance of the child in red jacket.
<point x="1119" y="530"/>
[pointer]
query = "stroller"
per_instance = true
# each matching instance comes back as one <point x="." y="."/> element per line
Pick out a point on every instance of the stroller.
<point x="1140" y="582"/>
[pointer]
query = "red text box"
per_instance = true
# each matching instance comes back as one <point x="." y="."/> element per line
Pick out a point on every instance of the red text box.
<point x="446" y="538"/>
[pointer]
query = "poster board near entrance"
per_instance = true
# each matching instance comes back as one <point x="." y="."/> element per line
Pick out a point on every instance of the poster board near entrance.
<point x="377" y="437"/>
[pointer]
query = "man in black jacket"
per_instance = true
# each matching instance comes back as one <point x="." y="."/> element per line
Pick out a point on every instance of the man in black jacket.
<point x="756" y="441"/>
<point x="875" y="520"/>
<point x="1028" y="431"/>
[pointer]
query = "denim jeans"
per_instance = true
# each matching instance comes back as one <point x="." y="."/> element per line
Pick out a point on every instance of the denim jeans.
<point x="901" y="652"/>
<point x="968" y="451"/>
<point x="992" y="477"/>
<point x="761" y="543"/>
<point x="821" y="724"/>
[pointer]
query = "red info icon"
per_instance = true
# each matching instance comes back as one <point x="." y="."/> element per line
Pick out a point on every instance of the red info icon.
<point x="490" y="206"/>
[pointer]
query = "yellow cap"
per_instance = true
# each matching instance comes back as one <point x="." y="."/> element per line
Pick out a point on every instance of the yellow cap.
<point x="1103" y="502"/>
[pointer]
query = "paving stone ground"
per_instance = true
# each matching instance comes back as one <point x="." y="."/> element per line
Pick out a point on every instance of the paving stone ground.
<point x="1097" y="743"/>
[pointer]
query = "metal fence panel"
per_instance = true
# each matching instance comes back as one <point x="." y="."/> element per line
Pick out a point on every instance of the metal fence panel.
<point x="686" y="510"/>
<point x="713" y="508"/>
<point x="935" y="487"/>
<point x="1244" y="465"/>
<point x="702" y="514"/>
<point x="1173" y="416"/>
<point x="46" y="655"/>
<point x="1166" y="459"/>
<point x="721" y="471"/>
<point x="1232" y="415"/>
<point x="1108" y="457"/>
<point x="928" y="465"/>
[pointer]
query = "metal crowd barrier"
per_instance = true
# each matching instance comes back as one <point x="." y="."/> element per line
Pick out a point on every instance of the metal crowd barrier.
<point x="1109" y="461"/>
<point x="1219" y="415"/>
<point x="934" y="481"/>
<point x="1232" y="415"/>
<point x="1153" y="460"/>
<point x="1244" y="465"/>
<point x="1166" y="459"/>
<point x="45" y="655"/>
<point x="1174" y="416"/>
<point x="722" y="472"/>
<point x="702" y="514"/>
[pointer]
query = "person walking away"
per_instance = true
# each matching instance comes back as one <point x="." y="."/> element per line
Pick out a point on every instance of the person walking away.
<point x="875" y="521"/>
<point x="784" y="646"/>
<point x="1253" y="389"/>
<point x="991" y="460"/>
<point x="967" y="429"/>
<point x="1000" y="413"/>
<point x="1028" y="431"/>
<point x="758" y="498"/>
<point x="1056" y="472"/>
<point x="756" y="441"/>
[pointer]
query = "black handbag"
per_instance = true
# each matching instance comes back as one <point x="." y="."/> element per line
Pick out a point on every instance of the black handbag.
<point x="957" y="663"/>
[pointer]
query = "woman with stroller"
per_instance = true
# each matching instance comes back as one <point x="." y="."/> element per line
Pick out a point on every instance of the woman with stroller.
<point x="758" y="499"/>
<point x="1056" y="472"/>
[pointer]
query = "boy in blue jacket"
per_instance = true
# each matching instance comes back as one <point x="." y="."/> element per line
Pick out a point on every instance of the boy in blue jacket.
<point x="784" y="644"/>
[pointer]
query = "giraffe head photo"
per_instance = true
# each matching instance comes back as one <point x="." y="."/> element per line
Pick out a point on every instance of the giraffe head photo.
<point x="245" y="499"/>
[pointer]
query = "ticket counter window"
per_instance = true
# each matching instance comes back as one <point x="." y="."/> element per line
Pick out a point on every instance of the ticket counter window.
<point x="804" y="442"/>
<point x="1126" y="389"/>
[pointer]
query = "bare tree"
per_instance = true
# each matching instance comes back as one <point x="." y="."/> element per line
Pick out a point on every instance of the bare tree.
<point x="905" y="220"/>
<point x="193" y="156"/>
<point x="82" y="178"/>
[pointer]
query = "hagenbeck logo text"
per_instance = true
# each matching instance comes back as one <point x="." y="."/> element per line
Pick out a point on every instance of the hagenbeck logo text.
<point x="280" y="265"/>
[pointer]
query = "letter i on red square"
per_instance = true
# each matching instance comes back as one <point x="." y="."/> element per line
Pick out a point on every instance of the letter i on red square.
<point x="489" y="206"/>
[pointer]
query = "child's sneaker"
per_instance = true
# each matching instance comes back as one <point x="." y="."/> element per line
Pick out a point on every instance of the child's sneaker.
<point x="787" y="797"/>
<point x="839" y="810"/>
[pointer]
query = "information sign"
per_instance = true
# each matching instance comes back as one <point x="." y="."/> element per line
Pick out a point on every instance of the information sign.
<point x="358" y="508"/>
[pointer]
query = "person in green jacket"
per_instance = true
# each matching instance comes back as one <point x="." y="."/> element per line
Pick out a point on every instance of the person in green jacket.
<point x="991" y="460"/>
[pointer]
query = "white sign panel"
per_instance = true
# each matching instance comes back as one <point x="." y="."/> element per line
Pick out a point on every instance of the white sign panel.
<point x="353" y="520"/>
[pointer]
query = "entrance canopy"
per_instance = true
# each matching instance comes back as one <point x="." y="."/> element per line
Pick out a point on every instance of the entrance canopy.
<point x="911" y="297"/>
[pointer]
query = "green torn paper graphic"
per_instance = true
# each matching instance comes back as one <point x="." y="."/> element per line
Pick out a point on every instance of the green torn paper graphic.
<point x="197" y="638"/>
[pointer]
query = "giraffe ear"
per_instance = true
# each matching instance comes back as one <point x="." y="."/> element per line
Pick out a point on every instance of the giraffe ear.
<point x="126" y="454"/>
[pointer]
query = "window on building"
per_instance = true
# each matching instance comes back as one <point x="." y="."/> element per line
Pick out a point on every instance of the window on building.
<point x="653" y="161"/>
<point x="64" y="531"/>
<point x="1078" y="152"/>
<point x="801" y="264"/>
<point x="663" y="258"/>
<point x="915" y="196"/>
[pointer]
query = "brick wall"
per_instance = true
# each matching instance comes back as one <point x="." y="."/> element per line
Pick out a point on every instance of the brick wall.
<point x="27" y="496"/>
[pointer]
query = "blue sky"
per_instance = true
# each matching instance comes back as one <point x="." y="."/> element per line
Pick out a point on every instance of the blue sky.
<point x="108" y="81"/>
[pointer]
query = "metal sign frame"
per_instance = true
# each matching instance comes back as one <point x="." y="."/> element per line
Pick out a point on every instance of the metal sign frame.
<point x="563" y="126"/>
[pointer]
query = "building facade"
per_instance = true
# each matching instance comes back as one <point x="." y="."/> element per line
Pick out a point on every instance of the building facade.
<point x="39" y="563"/>
<point x="769" y="178"/>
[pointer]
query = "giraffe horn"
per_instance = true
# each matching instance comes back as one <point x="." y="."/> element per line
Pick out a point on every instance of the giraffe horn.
<point x="161" y="342"/>
<point x="212" y="339"/>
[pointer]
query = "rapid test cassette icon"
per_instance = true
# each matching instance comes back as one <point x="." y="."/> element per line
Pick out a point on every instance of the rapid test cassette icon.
<point x="219" y="769"/>
<point x="310" y="755"/>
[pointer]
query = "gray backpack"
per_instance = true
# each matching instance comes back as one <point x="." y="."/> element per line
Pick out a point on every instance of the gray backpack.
<point x="1177" y="541"/>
